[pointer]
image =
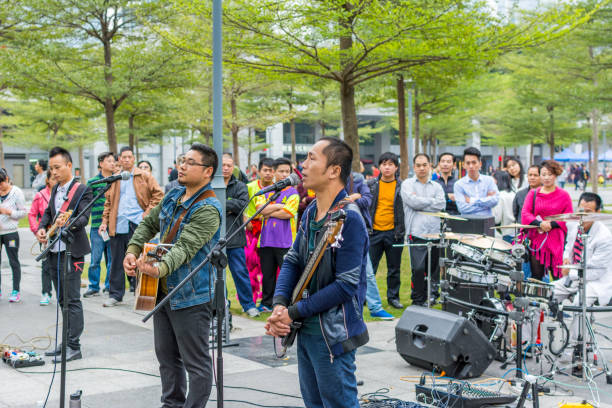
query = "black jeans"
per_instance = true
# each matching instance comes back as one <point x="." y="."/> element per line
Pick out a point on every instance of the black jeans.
<point x="118" y="246"/>
<point x="76" y="321"/>
<point x="418" y="262"/>
<point x="271" y="259"/>
<point x="383" y="241"/>
<point x="11" y="244"/>
<point x="538" y="271"/>
<point x="46" y="277"/>
<point x="181" y="343"/>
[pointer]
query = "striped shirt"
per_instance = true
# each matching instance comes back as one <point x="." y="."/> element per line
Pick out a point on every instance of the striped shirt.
<point x="98" y="206"/>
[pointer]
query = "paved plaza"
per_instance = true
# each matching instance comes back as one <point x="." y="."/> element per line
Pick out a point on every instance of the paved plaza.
<point x="115" y="339"/>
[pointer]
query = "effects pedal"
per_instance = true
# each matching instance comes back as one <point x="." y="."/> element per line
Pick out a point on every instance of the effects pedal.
<point x="22" y="359"/>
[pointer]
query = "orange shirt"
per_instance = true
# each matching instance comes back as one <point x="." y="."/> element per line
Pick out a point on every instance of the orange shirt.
<point x="383" y="217"/>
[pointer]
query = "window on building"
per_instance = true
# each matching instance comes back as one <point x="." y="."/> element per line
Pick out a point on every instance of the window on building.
<point x="304" y="133"/>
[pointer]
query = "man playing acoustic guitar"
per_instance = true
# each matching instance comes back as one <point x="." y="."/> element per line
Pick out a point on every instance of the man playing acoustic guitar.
<point x="189" y="217"/>
<point x="331" y="312"/>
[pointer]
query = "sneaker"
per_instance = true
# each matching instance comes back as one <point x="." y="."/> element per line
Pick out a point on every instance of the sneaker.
<point x="252" y="312"/>
<point x="382" y="314"/>
<point x="105" y="290"/>
<point x="91" y="293"/>
<point x="264" y="309"/>
<point x="110" y="302"/>
<point x="45" y="299"/>
<point x="15" y="297"/>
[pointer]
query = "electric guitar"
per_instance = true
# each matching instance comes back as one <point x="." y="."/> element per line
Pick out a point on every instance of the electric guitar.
<point x="332" y="234"/>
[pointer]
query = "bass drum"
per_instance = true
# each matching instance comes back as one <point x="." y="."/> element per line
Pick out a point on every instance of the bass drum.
<point x="486" y="321"/>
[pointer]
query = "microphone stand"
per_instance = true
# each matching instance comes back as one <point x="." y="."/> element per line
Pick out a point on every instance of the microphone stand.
<point x="65" y="235"/>
<point x="219" y="260"/>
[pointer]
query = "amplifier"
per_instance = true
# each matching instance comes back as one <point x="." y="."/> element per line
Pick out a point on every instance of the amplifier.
<point x="476" y="224"/>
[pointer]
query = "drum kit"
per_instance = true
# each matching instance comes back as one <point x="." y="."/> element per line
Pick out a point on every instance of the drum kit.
<point x="511" y="303"/>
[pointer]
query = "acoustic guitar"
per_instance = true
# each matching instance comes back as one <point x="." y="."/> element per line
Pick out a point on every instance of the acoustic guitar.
<point x="147" y="286"/>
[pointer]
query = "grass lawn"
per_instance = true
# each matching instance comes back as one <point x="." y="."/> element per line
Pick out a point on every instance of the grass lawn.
<point x="381" y="278"/>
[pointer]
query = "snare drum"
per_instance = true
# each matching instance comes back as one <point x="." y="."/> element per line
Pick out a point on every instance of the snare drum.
<point x="537" y="289"/>
<point x="468" y="252"/>
<point x="502" y="257"/>
<point x="492" y="325"/>
<point x="470" y="274"/>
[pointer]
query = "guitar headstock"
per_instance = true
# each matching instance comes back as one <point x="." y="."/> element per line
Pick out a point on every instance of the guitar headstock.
<point x="336" y="220"/>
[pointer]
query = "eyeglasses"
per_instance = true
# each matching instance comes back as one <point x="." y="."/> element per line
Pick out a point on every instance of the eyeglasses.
<point x="190" y="163"/>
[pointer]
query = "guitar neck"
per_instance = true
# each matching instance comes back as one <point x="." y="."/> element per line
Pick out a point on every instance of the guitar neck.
<point x="311" y="265"/>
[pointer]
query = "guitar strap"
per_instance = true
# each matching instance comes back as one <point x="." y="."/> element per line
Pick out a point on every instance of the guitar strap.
<point x="71" y="194"/>
<point x="169" y="237"/>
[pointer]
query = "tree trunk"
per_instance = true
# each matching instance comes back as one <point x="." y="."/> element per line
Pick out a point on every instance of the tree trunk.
<point x="349" y="121"/>
<point x="417" y="122"/>
<point x="595" y="148"/>
<point x="1" y="144"/>
<point x="235" y="129"/>
<point x="250" y="146"/>
<point x="137" y="148"/>
<point x="109" y="111"/>
<point x="109" y="108"/>
<point x="82" y="162"/>
<point x="551" y="130"/>
<point x="347" y="90"/>
<point x="292" y="132"/>
<point x="401" y="114"/>
<point x="322" y="124"/>
<point x="531" y="153"/>
<point x="131" y="131"/>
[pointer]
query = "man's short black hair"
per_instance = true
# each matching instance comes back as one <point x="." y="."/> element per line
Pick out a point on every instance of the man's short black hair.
<point x="282" y="161"/>
<point x="446" y="154"/>
<point x="209" y="156"/>
<point x="266" y="161"/>
<point x="589" y="197"/>
<point x="42" y="163"/>
<point x="60" y="151"/>
<point x="472" y="151"/>
<point x="535" y="166"/>
<point x="102" y="156"/>
<point x="126" y="149"/>
<point x="425" y="155"/>
<point x="338" y="153"/>
<point x="388" y="156"/>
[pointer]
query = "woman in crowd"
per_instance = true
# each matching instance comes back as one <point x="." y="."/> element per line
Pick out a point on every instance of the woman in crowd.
<point x="39" y="204"/>
<point x="12" y="208"/>
<point x="503" y="210"/>
<point x="145" y="165"/>
<point x="514" y="167"/>
<point x="546" y="241"/>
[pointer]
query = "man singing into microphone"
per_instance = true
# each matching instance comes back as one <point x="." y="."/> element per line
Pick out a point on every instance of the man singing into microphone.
<point x="277" y="231"/>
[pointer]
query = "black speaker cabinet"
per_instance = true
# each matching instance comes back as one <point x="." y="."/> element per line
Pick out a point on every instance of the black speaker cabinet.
<point x="467" y="294"/>
<point x="441" y="341"/>
<point x="476" y="224"/>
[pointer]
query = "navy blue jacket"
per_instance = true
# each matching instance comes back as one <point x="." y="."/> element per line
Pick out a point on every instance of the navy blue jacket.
<point x="341" y="278"/>
<point x="357" y="184"/>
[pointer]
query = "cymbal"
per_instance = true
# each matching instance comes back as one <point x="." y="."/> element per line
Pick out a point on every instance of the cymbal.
<point x="516" y="226"/>
<point x="486" y="242"/>
<point x="579" y="266"/>
<point x="441" y="214"/>
<point x="579" y="216"/>
<point x="451" y="235"/>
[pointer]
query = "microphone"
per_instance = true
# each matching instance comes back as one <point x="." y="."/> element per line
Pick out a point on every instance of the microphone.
<point x="124" y="175"/>
<point x="292" y="180"/>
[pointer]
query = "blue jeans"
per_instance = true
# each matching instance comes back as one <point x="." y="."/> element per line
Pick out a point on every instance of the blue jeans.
<point x="98" y="247"/>
<point x="323" y="383"/>
<point x="372" y="293"/>
<point x="240" y="274"/>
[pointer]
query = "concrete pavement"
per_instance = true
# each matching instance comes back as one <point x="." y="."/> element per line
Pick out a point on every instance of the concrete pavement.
<point x="116" y="339"/>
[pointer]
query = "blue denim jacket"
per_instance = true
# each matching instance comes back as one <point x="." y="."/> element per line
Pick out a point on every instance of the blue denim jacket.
<point x="342" y="281"/>
<point x="199" y="289"/>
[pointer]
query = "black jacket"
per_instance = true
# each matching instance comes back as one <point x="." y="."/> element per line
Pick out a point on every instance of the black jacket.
<point x="517" y="204"/>
<point x="82" y="196"/>
<point x="237" y="198"/>
<point x="398" y="207"/>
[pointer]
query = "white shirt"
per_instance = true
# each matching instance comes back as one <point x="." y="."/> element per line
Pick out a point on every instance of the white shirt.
<point x="599" y="254"/>
<point x="417" y="196"/>
<point x="61" y="195"/>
